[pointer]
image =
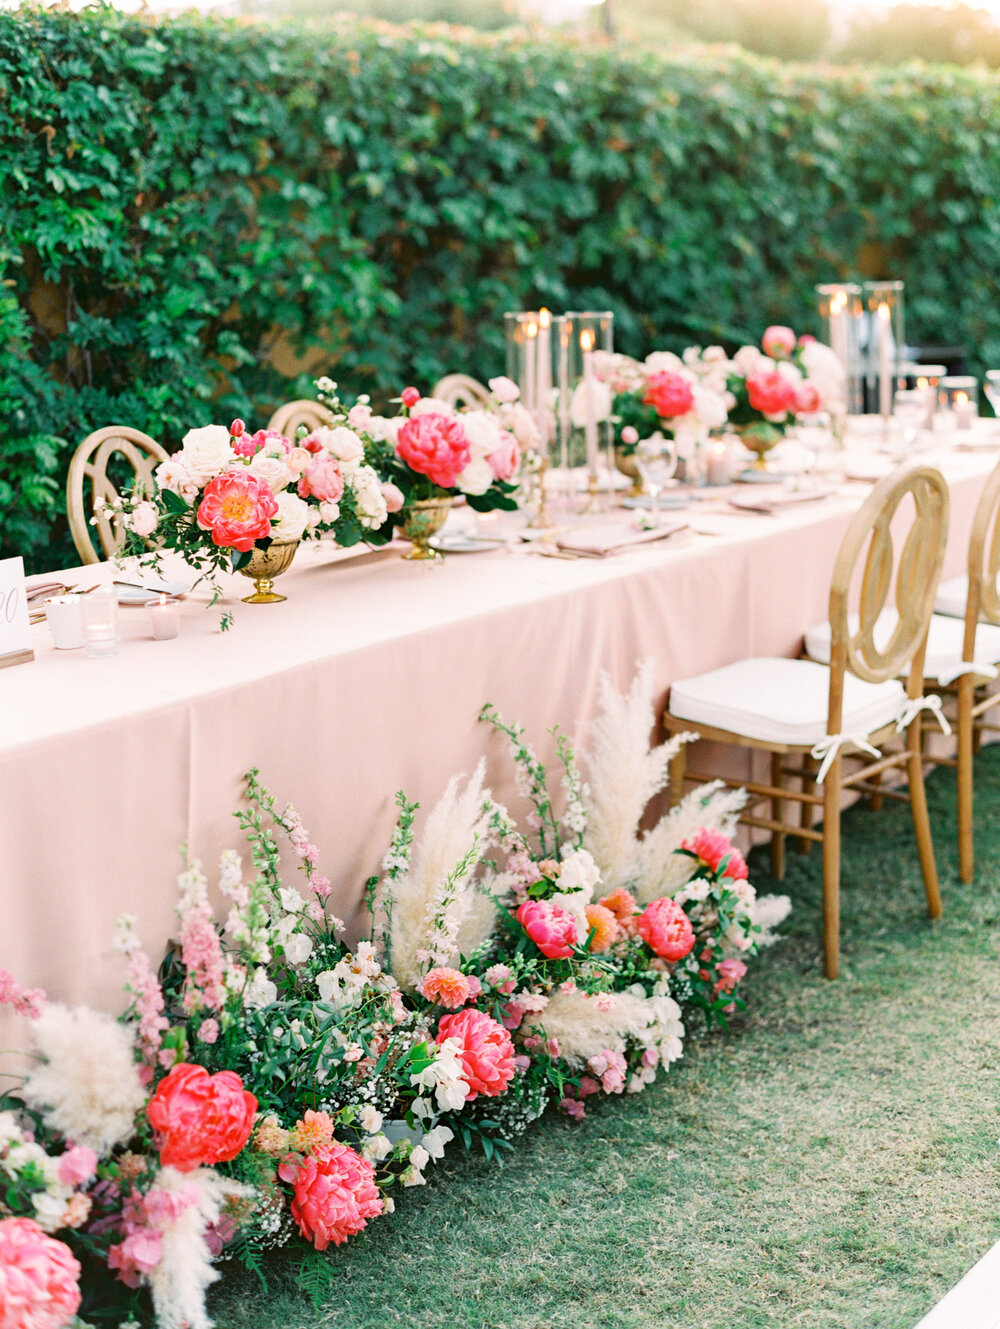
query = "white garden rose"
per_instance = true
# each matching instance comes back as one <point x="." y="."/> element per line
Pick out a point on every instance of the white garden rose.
<point x="821" y="362"/>
<point x="433" y="406"/>
<point x="329" y="512"/>
<point x="372" y="510"/>
<point x="272" y="470"/>
<point x="710" y="408"/>
<point x="523" y="425"/>
<point x="345" y="445"/>
<point x="206" y="452"/>
<point x="749" y="360"/>
<point x="385" y="428"/>
<point x="174" y="476"/>
<point x="476" y="478"/>
<point x="789" y="371"/>
<point x="482" y="429"/>
<point x="291" y="519"/>
<point x="600" y="399"/>
<point x="664" y="362"/>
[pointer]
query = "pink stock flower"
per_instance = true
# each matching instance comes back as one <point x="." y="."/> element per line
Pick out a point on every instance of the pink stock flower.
<point x="76" y="1165"/>
<point x="25" y="1001"/>
<point x="778" y="341"/>
<point x="145" y="987"/>
<point x="201" y="955"/>
<point x="770" y="393"/>
<point x="506" y="457"/>
<point x="208" y="1031"/>
<point x="237" y="508"/>
<point x="409" y="397"/>
<point x="730" y="972"/>
<point x="808" y="397"/>
<point x="666" y="929"/>
<point x="553" y="930"/>
<point x="712" y="847"/>
<point x="335" y="1194"/>
<point x="39" y="1278"/>
<point x="436" y="446"/>
<point x="393" y="496"/>
<point x="322" y="479"/>
<point x="485" y="1051"/>
<point x="446" y="986"/>
<point x="670" y="394"/>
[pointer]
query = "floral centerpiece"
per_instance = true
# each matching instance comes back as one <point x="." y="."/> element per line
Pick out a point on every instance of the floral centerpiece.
<point x="230" y="499"/>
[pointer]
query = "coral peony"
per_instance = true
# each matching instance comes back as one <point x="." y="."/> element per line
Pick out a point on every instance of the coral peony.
<point x="666" y="929"/>
<point x="712" y="847"/>
<point x="237" y="508"/>
<point x="622" y="904"/>
<point x="200" y="1118"/>
<point x="446" y="986"/>
<point x="604" y="926"/>
<point x="553" y="930"/>
<point x="335" y="1193"/>
<point x="322" y="479"/>
<point x="778" y="341"/>
<point x="39" y="1278"/>
<point x="670" y="394"/>
<point x="485" y="1051"/>
<point x="435" y="446"/>
<point x="770" y="393"/>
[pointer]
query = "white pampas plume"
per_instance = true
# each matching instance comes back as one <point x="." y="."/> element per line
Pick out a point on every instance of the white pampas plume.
<point x="766" y="912"/>
<point x="480" y="918"/>
<point x="623" y="774"/>
<point x="184" y="1272"/>
<point x="583" y="1029"/>
<point x="88" y="1087"/>
<point x="662" y="871"/>
<point x="433" y="897"/>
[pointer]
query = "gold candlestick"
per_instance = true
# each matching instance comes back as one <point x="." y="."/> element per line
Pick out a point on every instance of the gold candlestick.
<point x="593" y="503"/>
<point x="540" y="520"/>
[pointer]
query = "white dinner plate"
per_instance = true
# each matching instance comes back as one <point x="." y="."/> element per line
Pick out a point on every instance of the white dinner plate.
<point x="142" y="595"/>
<point x="665" y="502"/>
<point x="464" y="544"/>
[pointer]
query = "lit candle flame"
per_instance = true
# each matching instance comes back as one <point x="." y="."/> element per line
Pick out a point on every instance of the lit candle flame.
<point x="838" y="303"/>
<point x="532" y="329"/>
<point x="586" y="340"/>
<point x="961" y="399"/>
<point x="544" y="319"/>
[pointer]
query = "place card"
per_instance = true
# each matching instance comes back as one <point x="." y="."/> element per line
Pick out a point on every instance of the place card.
<point x="15" y="630"/>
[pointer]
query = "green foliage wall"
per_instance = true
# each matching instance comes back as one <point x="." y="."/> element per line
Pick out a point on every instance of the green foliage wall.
<point x="185" y="204"/>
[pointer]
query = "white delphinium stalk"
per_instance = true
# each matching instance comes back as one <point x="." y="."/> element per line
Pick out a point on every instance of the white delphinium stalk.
<point x="660" y="870"/>
<point x="623" y="775"/>
<point x="184" y="1273"/>
<point x="433" y="896"/>
<point x="88" y="1087"/>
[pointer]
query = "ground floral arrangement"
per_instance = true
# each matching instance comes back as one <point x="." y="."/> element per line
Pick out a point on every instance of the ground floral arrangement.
<point x="270" y="1085"/>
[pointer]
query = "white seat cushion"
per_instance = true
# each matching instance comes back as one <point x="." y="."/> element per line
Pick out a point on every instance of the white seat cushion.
<point x="782" y="701"/>
<point x="944" y="641"/>
<point x="951" y="597"/>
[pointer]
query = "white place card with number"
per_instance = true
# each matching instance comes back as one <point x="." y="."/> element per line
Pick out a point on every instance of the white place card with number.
<point x="15" y="630"/>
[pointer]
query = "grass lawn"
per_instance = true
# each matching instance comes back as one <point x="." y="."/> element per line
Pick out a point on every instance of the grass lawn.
<point x="832" y="1163"/>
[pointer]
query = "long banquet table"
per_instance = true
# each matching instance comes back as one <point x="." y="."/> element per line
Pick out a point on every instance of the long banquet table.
<point x="368" y="679"/>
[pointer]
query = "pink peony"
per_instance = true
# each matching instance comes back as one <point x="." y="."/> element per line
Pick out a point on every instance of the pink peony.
<point x="669" y="394"/>
<point x="322" y="479"/>
<point x="553" y="930"/>
<point x="436" y="446"/>
<point x="409" y="397"/>
<point x="485" y="1051"/>
<point x="39" y="1278"/>
<point x="666" y="929"/>
<point x="778" y="341"/>
<point x="730" y="972"/>
<point x="393" y="496"/>
<point x="77" y="1165"/>
<point x="446" y="986"/>
<point x="808" y="397"/>
<point x="506" y="458"/>
<point x="335" y="1194"/>
<point x="237" y="508"/>
<point x="770" y="393"/>
<point x="200" y="1118"/>
<point x="712" y="847"/>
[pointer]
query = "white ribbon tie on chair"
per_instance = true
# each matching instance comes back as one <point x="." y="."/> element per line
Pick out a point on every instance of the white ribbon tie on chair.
<point x="827" y="748"/>
<point x="912" y="708"/>
<point x="946" y="676"/>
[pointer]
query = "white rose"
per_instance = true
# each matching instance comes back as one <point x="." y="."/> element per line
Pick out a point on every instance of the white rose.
<point x="384" y="428"/>
<point x="483" y="432"/>
<point x="660" y="362"/>
<point x="370" y="1118"/>
<point x="504" y="389"/>
<point x="49" y="1210"/>
<point x="145" y="519"/>
<point x="206" y="452"/>
<point x="367" y="487"/>
<point x="748" y="360"/>
<point x="821" y="362"/>
<point x="710" y="407"/>
<point x="329" y="512"/>
<point x="291" y="519"/>
<point x="272" y="470"/>
<point x="433" y="406"/>
<point x="345" y="445"/>
<point x="476" y="478"/>
<point x="787" y="370"/>
<point x="298" y="948"/>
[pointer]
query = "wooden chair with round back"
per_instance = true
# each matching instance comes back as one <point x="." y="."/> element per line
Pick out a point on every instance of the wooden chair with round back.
<point x="288" y="419"/>
<point x="847" y="710"/>
<point x="122" y="451"/>
<point x="460" y="390"/>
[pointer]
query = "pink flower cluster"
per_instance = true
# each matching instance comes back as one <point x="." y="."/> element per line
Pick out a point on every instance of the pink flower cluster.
<point x="608" y="1071"/>
<point x="39" y="1278"/>
<point x="201" y="954"/>
<point x="335" y="1194"/>
<point x="145" y="1218"/>
<point x="245" y="445"/>
<point x="26" y="1001"/>
<point x="145" y="987"/>
<point x="553" y="930"/>
<point x="712" y="847"/>
<point x="485" y="1051"/>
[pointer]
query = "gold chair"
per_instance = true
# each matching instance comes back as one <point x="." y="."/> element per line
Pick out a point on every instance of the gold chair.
<point x="460" y="390"/>
<point x="833" y="714"/>
<point x="288" y="418"/>
<point x="125" y="449"/>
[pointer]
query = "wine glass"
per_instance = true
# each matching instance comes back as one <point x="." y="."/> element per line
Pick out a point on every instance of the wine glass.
<point x="656" y="460"/>
<point x="909" y="413"/>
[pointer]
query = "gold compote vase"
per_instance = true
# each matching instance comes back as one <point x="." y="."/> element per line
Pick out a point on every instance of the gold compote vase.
<point x="627" y="464"/>
<point x="758" y="436"/>
<point x="264" y="566"/>
<point x="421" y="520"/>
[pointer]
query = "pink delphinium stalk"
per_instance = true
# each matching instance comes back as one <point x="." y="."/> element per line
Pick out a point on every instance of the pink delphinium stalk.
<point x="25" y="1001"/>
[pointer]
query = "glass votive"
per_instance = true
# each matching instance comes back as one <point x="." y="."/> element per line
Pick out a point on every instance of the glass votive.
<point x="718" y="468"/>
<point x="958" y="398"/>
<point x="164" y="616"/>
<point x="64" y="615"/>
<point x="100" y="623"/>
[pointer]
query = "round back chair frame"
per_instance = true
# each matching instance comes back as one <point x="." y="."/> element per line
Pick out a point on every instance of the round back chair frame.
<point x="289" y="418"/>
<point x="90" y="461"/>
<point x="462" y="390"/>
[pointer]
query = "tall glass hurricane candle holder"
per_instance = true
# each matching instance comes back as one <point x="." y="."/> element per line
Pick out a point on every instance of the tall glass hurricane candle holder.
<point x="885" y="342"/>
<point x="590" y="335"/>
<point x="521" y="332"/>
<point x="842" y="310"/>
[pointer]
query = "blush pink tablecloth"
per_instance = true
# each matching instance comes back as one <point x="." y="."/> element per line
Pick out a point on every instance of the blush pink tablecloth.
<point x="367" y="680"/>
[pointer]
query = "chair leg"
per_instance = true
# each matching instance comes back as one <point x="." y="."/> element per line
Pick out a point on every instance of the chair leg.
<point x="921" y="821"/>
<point x="678" y="767"/>
<point x="966" y="697"/>
<point x="777" y="814"/>
<point x="831" y="870"/>
<point x="809" y="764"/>
<point x="875" y="801"/>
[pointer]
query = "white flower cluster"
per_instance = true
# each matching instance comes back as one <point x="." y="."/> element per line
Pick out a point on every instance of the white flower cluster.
<point x="56" y="1204"/>
<point x="344" y="986"/>
<point x="443" y="1078"/>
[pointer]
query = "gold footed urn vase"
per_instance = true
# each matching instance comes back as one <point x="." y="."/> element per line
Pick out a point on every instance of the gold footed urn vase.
<point x="626" y="463"/>
<point x="759" y="437"/>
<point x="421" y="520"/>
<point x="264" y="566"/>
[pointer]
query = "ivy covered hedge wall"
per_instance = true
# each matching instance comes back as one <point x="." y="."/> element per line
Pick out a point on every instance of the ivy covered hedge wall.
<point x="192" y="213"/>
